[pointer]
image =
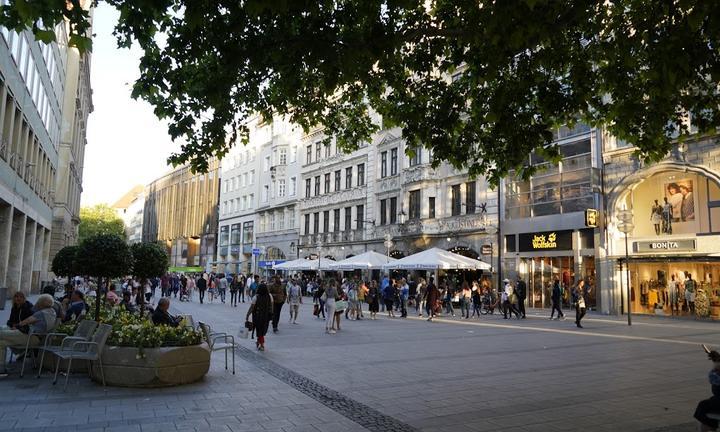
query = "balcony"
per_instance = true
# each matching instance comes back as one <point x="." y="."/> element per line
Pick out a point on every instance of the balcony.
<point x="418" y="173"/>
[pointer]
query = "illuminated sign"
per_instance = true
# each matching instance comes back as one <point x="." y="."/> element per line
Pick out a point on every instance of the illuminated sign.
<point x="591" y="217"/>
<point x="546" y="241"/>
<point x="675" y="245"/>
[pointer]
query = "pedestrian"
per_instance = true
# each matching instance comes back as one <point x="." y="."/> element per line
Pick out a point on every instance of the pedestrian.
<point x="521" y="292"/>
<point x="319" y="296"/>
<point x="362" y="293"/>
<point x="330" y="294"/>
<point x="465" y="300"/>
<point x="373" y="299"/>
<point x="261" y="309"/>
<point x="508" y="299"/>
<point x="449" y="294"/>
<point x="212" y="288"/>
<point x="579" y="299"/>
<point x="389" y="299"/>
<point x="222" y="286"/>
<point x="404" y="292"/>
<point x="420" y="296"/>
<point x="165" y="285"/>
<point x="234" y="288"/>
<point x="175" y="284"/>
<point x="278" y="293"/>
<point x="201" y="285"/>
<point x="383" y="286"/>
<point x="476" y="299"/>
<point x="294" y="299"/>
<point x="190" y="287"/>
<point x="556" y="298"/>
<point x="432" y="297"/>
<point x="352" y="296"/>
<point x="241" y="281"/>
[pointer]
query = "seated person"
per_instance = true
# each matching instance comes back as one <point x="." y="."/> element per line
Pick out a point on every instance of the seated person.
<point x="57" y="306"/>
<point x="21" y="309"/>
<point x="42" y="321"/>
<point x="77" y="307"/>
<point x="111" y="296"/>
<point x="161" y="316"/>
<point x="127" y="303"/>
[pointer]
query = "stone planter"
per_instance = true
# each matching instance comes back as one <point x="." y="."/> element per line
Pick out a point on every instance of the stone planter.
<point x="160" y="367"/>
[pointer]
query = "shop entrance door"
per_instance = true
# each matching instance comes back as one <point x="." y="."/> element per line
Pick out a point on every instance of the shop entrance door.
<point x="543" y="272"/>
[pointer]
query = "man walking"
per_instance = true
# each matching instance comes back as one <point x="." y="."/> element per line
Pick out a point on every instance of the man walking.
<point x="294" y="299"/>
<point x="278" y="295"/>
<point x="556" y="299"/>
<point x="201" y="285"/>
<point x="521" y="292"/>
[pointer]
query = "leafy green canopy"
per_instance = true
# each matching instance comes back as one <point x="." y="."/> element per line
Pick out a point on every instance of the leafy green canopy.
<point x="480" y="83"/>
<point x="63" y="263"/>
<point x="149" y="260"/>
<point x="104" y="256"/>
<point x="99" y="219"/>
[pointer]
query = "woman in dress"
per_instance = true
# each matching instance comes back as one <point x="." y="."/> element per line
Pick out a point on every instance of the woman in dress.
<point x="656" y="216"/>
<point x="261" y="309"/>
<point x="579" y="297"/>
<point x="331" y="294"/>
<point x="373" y="299"/>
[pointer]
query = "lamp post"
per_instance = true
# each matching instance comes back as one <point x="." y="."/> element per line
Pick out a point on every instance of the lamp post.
<point x="626" y="225"/>
<point x="491" y="231"/>
<point x="319" y="249"/>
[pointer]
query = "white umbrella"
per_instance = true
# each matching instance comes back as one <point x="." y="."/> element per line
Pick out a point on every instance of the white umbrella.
<point x="366" y="261"/>
<point x="437" y="259"/>
<point x="304" y="264"/>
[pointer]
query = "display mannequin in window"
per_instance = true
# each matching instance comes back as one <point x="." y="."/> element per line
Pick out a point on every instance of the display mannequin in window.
<point x="667" y="216"/>
<point x="656" y="216"/>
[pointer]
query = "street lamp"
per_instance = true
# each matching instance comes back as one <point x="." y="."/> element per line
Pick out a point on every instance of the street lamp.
<point x="491" y="231"/>
<point x="626" y="225"/>
<point x="319" y="248"/>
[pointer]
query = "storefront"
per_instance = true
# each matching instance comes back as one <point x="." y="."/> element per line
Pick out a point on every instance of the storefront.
<point x="674" y="246"/>
<point x="544" y="257"/>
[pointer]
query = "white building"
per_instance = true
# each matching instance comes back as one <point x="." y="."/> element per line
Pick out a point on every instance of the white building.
<point x="32" y="88"/>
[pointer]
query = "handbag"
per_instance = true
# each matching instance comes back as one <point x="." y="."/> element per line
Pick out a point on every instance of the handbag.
<point x="340" y="306"/>
<point x="250" y="325"/>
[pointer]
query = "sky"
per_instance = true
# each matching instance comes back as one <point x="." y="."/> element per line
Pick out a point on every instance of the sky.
<point x="127" y="144"/>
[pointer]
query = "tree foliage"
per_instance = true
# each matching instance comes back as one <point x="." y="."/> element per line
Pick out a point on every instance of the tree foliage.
<point x="104" y="255"/>
<point x="99" y="219"/>
<point x="64" y="262"/>
<point x="149" y="260"/>
<point x="482" y="84"/>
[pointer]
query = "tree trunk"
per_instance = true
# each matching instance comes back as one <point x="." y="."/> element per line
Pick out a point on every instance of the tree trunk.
<point x="97" y="299"/>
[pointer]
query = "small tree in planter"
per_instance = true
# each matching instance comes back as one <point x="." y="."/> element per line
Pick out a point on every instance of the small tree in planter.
<point x="149" y="260"/>
<point x="104" y="256"/>
<point x="64" y="263"/>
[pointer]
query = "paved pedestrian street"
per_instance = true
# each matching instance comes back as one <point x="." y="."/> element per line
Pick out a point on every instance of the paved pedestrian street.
<point x="397" y="374"/>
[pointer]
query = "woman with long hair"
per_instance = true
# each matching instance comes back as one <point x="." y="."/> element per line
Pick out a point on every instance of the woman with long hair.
<point x="261" y="309"/>
<point x="331" y="294"/>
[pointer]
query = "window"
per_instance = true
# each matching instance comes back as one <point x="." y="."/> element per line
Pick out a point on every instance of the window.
<point x="252" y="177"/>
<point x="348" y="178"/>
<point x="470" y="189"/>
<point x="266" y="193"/>
<point x="336" y="220"/>
<point x="317" y="185"/>
<point x="283" y="157"/>
<point x="431" y="207"/>
<point x="338" y="174"/>
<point x="248" y="232"/>
<point x="327" y="151"/>
<point x="360" y="174"/>
<point x="348" y="218"/>
<point x="327" y="183"/>
<point x="308" y="156"/>
<point x="414" y="204"/>
<point x="224" y="235"/>
<point x="360" y="216"/>
<point x="273" y="189"/>
<point x="266" y="164"/>
<point x="416" y="159"/>
<point x="455" y="200"/>
<point x="393" y="161"/>
<point x="271" y="219"/>
<point x="281" y="188"/>
<point x="235" y="234"/>
<point x="280" y="222"/>
<point x="316" y="223"/>
<point x="307" y="188"/>
<point x="251" y="201"/>
<point x="326" y="221"/>
<point x="244" y="180"/>
<point x="293" y="186"/>
<point x="307" y="224"/>
<point x="383" y="164"/>
<point x="317" y="152"/>
<point x="383" y="212"/>
<point x="291" y="218"/>
<point x="393" y="210"/>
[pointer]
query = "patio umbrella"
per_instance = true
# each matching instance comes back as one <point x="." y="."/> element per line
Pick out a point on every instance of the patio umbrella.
<point x="437" y="259"/>
<point x="366" y="261"/>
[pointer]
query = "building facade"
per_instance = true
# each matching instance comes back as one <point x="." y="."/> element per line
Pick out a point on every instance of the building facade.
<point x="181" y="211"/>
<point x="32" y="96"/>
<point x="77" y="106"/>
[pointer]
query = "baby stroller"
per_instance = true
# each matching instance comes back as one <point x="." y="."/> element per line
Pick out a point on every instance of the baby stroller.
<point x="184" y="294"/>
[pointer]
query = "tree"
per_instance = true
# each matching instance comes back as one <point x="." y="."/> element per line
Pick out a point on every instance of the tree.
<point x="99" y="219"/>
<point x="104" y="256"/>
<point x="482" y="84"/>
<point x="149" y="260"/>
<point x="64" y="262"/>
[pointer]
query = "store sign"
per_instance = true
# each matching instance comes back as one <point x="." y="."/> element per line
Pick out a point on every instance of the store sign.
<point x="678" y="245"/>
<point x="591" y="218"/>
<point x="546" y="241"/>
<point x="486" y="249"/>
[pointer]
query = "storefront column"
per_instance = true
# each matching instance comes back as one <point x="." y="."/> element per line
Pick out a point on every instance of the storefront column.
<point x="28" y="255"/>
<point x="6" y="223"/>
<point x="17" y="247"/>
<point x="609" y="284"/>
<point x="577" y="264"/>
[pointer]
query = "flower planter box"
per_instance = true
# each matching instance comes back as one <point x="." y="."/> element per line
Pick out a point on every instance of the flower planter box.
<point x="159" y="367"/>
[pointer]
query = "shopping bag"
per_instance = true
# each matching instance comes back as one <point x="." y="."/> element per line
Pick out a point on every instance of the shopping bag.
<point x="244" y="333"/>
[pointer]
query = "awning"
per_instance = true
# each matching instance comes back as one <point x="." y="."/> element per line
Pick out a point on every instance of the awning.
<point x="437" y="259"/>
<point x="365" y="261"/>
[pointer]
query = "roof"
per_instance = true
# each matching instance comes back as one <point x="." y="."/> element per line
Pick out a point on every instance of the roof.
<point x="125" y="201"/>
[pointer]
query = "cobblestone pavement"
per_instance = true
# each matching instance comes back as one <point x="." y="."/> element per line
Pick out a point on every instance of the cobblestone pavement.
<point x="406" y="374"/>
